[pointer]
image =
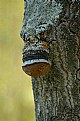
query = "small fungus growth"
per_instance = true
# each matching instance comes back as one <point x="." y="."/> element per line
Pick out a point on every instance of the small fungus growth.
<point x="36" y="58"/>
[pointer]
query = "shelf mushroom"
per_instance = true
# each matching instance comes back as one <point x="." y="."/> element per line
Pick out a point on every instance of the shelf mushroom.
<point x="35" y="58"/>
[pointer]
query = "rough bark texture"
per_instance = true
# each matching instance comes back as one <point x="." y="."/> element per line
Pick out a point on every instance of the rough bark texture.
<point x="56" y="95"/>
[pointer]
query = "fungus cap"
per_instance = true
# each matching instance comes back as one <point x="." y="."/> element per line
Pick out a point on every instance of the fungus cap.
<point x="36" y="68"/>
<point x="35" y="59"/>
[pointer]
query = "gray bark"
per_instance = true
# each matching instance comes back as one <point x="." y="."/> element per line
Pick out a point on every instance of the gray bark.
<point x="57" y="94"/>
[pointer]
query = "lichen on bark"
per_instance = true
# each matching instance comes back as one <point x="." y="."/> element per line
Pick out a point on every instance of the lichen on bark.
<point x="39" y="16"/>
<point x="57" y="94"/>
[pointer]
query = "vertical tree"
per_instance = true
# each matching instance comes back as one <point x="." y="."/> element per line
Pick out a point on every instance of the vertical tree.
<point x="57" y="94"/>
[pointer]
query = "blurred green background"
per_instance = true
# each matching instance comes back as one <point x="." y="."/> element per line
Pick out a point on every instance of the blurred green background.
<point x="16" y="96"/>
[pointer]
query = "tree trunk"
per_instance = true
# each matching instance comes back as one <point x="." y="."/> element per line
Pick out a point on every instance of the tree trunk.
<point x="57" y="94"/>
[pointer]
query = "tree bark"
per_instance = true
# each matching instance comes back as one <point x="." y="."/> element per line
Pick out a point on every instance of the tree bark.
<point x="57" y="94"/>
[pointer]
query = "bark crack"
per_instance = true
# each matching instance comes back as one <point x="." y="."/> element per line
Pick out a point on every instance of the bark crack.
<point x="78" y="68"/>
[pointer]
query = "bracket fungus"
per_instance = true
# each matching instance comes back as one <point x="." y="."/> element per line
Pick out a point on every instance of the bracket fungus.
<point x="36" y="58"/>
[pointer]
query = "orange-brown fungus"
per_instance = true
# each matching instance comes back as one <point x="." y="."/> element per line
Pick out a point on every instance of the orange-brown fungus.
<point x="37" y="69"/>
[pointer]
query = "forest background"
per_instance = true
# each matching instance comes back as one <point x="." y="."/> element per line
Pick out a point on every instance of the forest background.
<point x="16" y="96"/>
